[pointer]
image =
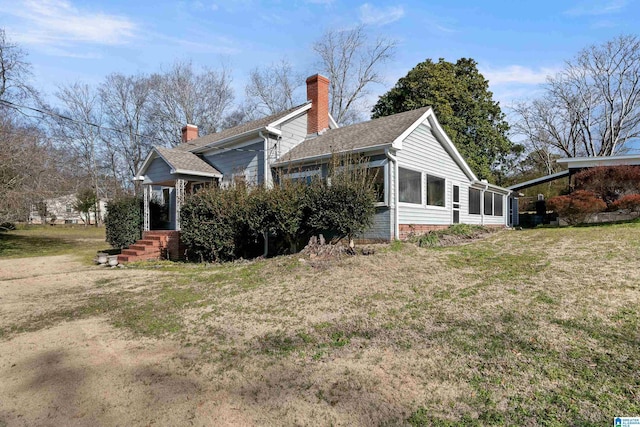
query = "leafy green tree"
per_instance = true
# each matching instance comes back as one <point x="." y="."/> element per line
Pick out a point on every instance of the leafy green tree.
<point x="461" y="99"/>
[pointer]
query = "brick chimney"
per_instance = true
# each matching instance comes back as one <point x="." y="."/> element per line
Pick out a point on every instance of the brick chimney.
<point x="318" y="94"/>
<point x="189" y="132"/>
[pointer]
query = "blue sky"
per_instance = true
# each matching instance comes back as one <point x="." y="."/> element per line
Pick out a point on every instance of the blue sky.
<point x="516" y="43"/>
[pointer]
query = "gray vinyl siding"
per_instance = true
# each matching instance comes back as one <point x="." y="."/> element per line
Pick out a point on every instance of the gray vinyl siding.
<point x="421" y="151"/>
<point x="248" y="160"/>
<point x="157" y="172"/>
<point x="294" y="132"/>
<point x="380" y="230"/>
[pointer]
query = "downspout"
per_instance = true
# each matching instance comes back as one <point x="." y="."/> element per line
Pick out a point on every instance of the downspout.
<point x="267" y="184"/>
<point x="394" y="202"/>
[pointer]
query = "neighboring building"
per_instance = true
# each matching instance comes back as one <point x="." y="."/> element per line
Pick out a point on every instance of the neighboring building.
<point x="424" y="181"/>
<point x="60" y="210"/>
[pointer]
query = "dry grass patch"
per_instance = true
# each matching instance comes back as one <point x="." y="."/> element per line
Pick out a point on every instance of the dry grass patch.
<point x="521" y="328"/>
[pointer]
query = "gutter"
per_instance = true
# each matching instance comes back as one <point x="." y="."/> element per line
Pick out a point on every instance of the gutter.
<point x="312" y="159"/>
<point x="223" y="142"/>
<point x="394" y="201"/>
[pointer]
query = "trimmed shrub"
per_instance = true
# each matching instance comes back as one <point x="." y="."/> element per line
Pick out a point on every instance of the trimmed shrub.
<point x="211" y="223"/>
<point x="224" y="224"/>
<point x="576" y="207"/>
<point x="629" y="202"/>
<point x="123" y="222"/>
<point x="345" y="208"/>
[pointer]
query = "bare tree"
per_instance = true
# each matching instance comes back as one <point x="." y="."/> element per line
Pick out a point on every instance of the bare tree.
<point x="592" y="107"/>
<point x="78" y="127"/>
<point x="273" y="89"/>
<point x="182" y="95"/>
<point x="352" y="62"/>
<point x="14" y="71"/>
<point x="126" y="101"/>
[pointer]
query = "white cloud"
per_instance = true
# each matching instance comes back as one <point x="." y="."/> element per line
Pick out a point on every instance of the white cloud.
<point x="598" y="7"/>
<point x="59" y="23"/>
<point x="371" y="15"/>
<point x="517" y="74"/>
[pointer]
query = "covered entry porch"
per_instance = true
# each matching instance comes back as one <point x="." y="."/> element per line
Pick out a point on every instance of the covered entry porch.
<point x="168" y="176"/>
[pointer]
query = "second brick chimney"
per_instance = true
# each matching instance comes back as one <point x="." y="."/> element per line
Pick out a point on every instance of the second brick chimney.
<point x="318" y="94"/>
<point x="189" y="132"/>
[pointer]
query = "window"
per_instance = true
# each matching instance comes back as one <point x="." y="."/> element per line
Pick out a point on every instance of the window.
<point x="69" y="208"/>
<point x="377" y="175"/>
<point x="474" y="201"/>
<point x="488" y="203"/>
<point x="410" y="186"/>
<point x="435" y="191"/>
<point x="497" y="204"/>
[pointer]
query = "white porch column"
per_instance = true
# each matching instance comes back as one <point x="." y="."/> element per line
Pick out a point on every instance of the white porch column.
<point x="180" y="189"/>
<point x="146" y="191"/>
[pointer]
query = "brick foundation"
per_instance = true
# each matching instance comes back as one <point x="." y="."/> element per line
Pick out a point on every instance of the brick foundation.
<point x="407" y="230"/>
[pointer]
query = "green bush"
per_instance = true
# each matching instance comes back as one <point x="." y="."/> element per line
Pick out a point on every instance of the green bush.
<point x="209" y="224"/>
<point x="123" y="222"/>
<point x="346" y="207"/>
<point x="224" y="224"/>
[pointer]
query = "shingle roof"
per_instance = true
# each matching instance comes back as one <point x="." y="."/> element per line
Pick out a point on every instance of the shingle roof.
<point x="254" y="125"/>
<point x="373" y="133"/>
<point x="186" y="161"/>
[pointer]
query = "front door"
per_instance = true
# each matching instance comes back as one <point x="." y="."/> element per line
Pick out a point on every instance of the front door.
<point x="456" y="204"/>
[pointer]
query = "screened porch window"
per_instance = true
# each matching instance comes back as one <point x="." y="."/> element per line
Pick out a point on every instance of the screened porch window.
<point x="488" y="203"/>
<point x="410" y="186"/>
<point x="474" y="201"/>
<point x="497" y="204"/>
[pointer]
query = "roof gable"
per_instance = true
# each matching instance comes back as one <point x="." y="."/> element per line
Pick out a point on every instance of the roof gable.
<point x="180" y="162"/>
<point x="221" y="137"/>
<point x="360" y="136"/>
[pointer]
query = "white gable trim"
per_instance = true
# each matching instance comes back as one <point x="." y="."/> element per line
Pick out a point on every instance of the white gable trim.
<point x="147" y="162"/>
<point x="291" y="115"/>
<point x="449" y="146"/>
<point x="441" y="136"/>
<point x="397" y="143"/>
<point x="332" y="123"/>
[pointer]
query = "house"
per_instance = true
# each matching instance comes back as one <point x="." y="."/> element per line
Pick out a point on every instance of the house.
<point x="425" y="183"/>
<point x="60" y="210"/>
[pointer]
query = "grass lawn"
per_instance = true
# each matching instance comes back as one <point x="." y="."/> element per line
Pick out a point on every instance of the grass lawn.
<point x="43" y="240"/>
<point x="534" y="327"/>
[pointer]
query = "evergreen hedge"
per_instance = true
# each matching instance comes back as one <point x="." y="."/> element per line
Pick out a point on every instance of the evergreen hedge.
<point x="224" y="224"/>
<point x="123" y="221"/>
